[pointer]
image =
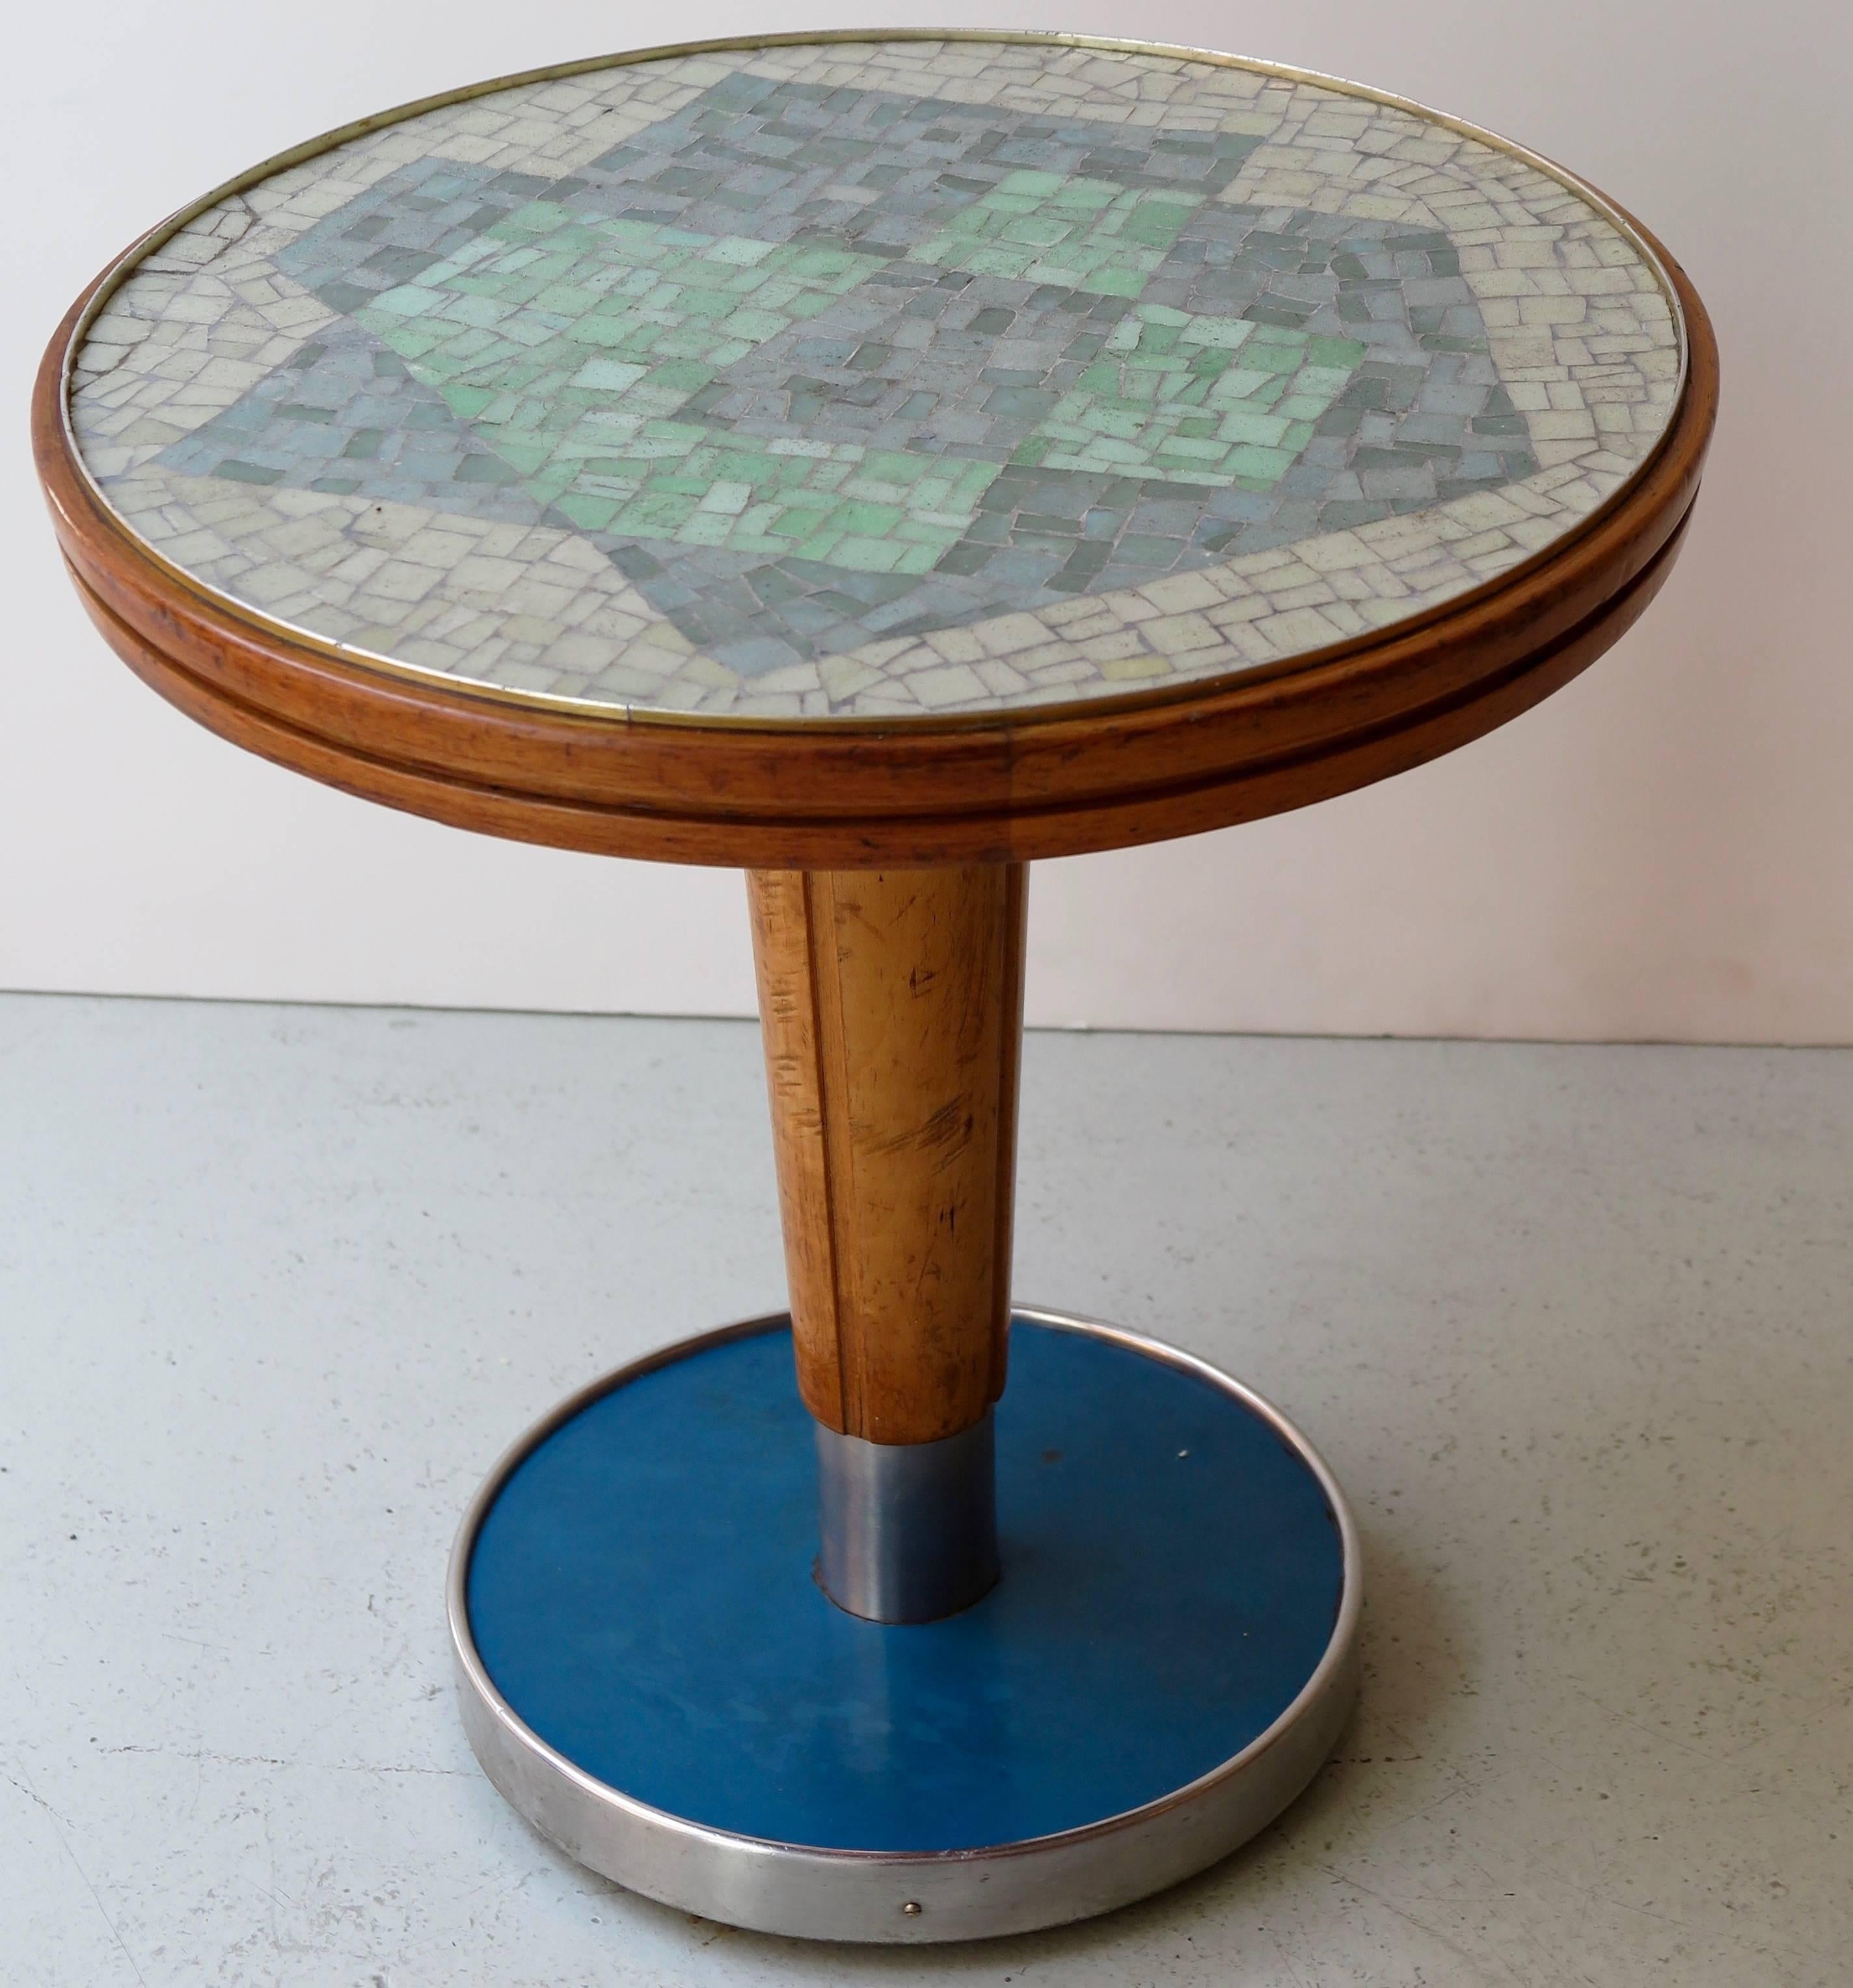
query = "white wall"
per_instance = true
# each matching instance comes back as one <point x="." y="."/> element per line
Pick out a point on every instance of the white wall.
<point x="1666" y="850"/>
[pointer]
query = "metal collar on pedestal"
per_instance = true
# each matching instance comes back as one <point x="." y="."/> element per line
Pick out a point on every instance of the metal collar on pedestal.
<point x="908" y="1531"/>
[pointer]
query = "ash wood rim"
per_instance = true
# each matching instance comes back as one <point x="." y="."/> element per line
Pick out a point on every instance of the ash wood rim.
<point x="974" y="786"/>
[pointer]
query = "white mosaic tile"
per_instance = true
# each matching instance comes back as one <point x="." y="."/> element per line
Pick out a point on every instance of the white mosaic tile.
<point x="865" y="380"/>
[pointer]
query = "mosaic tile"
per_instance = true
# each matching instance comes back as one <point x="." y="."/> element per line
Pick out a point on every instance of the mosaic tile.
<point x="861" y="379"/>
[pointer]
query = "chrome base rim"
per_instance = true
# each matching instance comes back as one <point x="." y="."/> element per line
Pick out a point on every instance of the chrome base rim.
<point x="906" y="1897"/>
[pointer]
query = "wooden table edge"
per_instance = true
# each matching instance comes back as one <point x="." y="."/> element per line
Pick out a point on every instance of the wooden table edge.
<point x="1009" y="786"/>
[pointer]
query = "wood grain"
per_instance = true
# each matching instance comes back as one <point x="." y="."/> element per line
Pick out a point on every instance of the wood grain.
<point x="891" y="1004"/>
<point x="863" y="793"/>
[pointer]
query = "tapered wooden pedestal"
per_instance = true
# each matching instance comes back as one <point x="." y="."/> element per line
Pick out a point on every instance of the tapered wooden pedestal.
<point x="891" y="1004"/>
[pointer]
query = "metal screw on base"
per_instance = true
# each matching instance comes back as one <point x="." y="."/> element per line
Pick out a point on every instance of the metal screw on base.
<point x="908" y="1529"/>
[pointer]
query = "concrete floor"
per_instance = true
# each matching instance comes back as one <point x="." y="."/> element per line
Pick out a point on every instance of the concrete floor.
<point x="1573" y="1325"/>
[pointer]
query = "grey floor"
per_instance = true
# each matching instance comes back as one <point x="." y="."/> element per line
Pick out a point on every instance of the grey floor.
<point x="1573" y="1325"/>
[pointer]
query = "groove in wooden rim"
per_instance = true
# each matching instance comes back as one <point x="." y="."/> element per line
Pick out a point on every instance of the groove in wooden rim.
<point x="1266" y="786"/>
<point x="849" y="793"/>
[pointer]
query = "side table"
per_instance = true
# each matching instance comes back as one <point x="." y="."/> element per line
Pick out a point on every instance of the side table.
<point x="876" y="461"/>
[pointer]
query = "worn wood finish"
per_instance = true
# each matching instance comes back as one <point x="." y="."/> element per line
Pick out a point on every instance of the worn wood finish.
<point x="891" y="1003"/>
<point x="843" y="795"/>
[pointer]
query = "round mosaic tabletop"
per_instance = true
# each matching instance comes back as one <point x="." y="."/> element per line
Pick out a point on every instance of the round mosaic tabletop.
<point x="878" y="379"/>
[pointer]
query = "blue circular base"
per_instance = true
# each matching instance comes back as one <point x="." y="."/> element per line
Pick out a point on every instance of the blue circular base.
<point x="640" y="1594"/>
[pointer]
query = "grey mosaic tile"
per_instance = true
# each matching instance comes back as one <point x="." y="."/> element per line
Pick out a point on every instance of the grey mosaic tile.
<point x="827" y="369"/>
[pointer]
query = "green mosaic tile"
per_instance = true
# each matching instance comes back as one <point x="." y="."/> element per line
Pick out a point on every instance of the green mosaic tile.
<point x="1082" y="234"/>
<point x="811" y="364"/>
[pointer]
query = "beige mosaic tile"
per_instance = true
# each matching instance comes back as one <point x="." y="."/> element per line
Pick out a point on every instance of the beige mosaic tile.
<point x="866" y="380"/>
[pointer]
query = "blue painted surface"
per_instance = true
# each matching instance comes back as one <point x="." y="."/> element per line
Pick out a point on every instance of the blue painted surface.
<point x="642" y="1595"/>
